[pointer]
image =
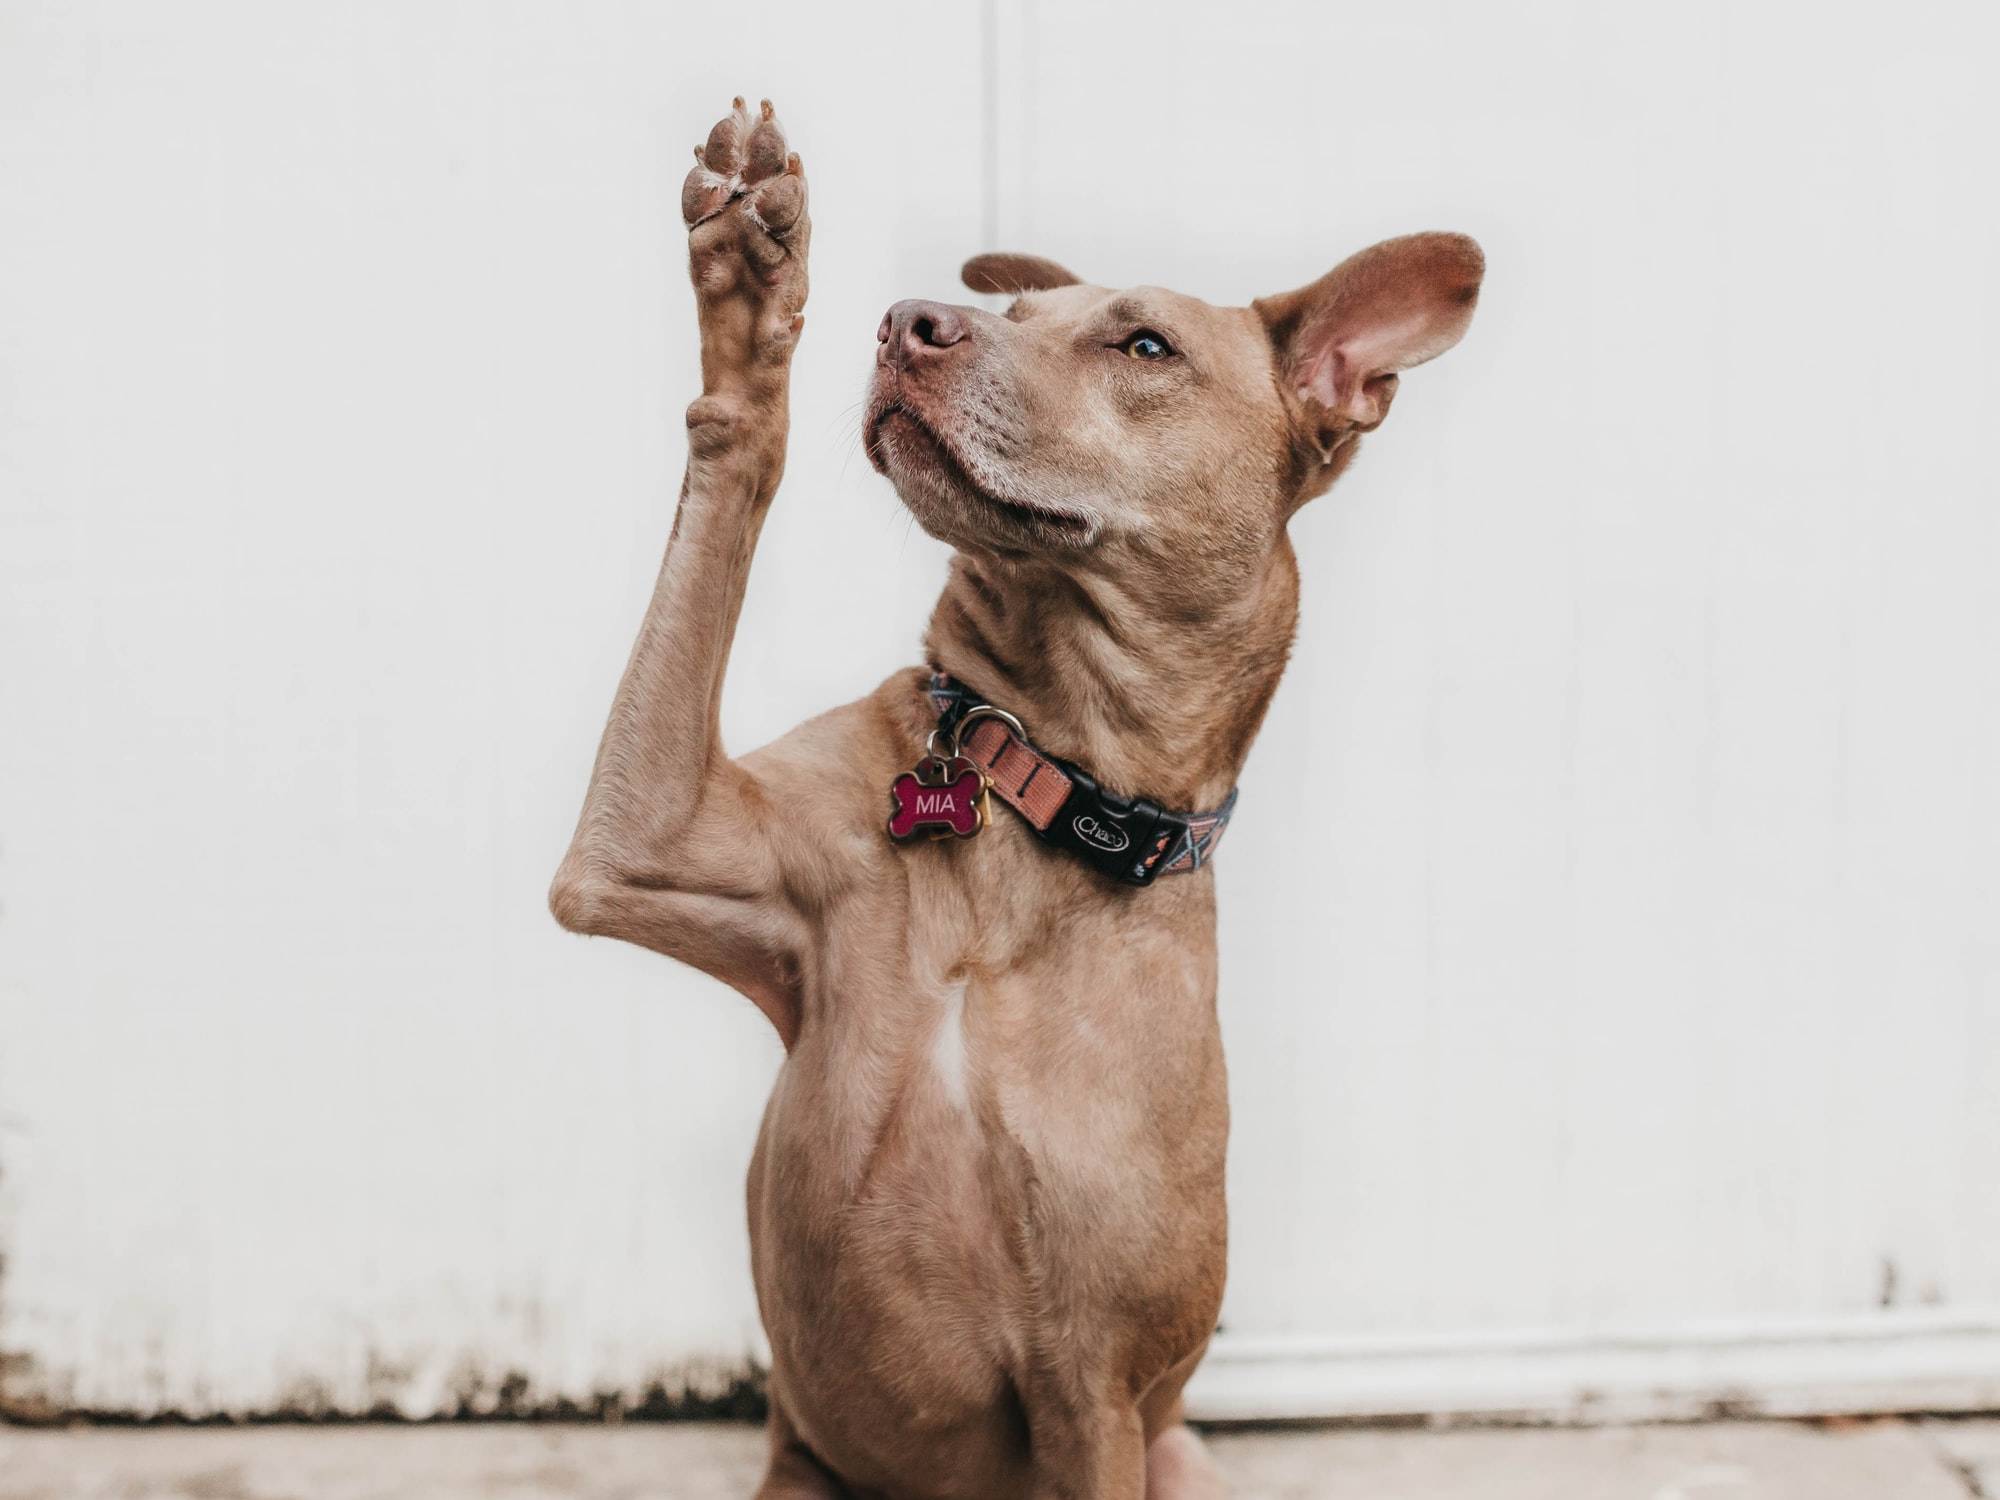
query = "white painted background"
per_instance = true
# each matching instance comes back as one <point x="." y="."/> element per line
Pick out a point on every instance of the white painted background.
<point x="1612" y="925"/>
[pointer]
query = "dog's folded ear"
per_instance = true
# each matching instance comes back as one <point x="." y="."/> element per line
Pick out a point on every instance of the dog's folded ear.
<point x="1009" y="274"/>
<point x="1341" y="341"/>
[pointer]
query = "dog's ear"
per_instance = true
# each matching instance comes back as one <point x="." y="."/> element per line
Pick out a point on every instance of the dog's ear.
<point x="1340" y="342"/>
<point x="1009" y="274"/>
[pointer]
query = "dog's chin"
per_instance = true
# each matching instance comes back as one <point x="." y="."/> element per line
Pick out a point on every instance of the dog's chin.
<point x="951" y="505"/>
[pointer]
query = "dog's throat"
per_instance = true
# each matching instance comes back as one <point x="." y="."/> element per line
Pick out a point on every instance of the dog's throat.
<point x="979" y="750"/>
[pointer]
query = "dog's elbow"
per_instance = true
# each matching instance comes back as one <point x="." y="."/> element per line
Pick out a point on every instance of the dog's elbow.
<point x="583" y="898"/>
<point x="596" y="896"/>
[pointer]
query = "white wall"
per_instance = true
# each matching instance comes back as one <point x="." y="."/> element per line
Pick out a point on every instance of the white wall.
<point x="1610" y="927"/>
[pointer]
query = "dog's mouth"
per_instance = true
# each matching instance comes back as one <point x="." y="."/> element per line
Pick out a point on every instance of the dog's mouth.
<point x="898" y="436"/>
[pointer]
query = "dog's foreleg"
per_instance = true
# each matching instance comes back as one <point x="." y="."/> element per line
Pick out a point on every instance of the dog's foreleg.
<point x="677" y="849"/>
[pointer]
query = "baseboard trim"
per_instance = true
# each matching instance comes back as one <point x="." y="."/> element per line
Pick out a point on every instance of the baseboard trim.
<point x="1921" y="1360"/>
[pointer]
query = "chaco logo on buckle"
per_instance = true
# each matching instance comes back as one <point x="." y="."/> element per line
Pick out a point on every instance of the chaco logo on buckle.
<point x="1100" y="835"/>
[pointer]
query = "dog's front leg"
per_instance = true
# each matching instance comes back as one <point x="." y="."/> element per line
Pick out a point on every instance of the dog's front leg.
<point x="678" y="849"/>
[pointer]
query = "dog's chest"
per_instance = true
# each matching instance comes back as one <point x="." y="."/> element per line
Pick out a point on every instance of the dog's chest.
<point x="957" y="1122"/>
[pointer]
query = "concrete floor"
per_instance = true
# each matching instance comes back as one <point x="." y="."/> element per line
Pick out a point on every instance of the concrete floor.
<point x="1887" y="1460"/>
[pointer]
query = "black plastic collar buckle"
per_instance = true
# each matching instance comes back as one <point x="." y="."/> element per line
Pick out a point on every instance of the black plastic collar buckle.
<point x="1118" y="835"/>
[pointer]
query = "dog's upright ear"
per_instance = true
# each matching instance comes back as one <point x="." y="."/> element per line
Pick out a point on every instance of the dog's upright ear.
<point x="1010" y="274"/>
<point x="1340" y="342"/>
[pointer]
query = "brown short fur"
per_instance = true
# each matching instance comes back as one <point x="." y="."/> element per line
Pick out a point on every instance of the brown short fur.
<point x="986" y="1207"/>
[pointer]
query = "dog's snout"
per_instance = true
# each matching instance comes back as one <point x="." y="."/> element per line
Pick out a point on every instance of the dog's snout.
<point x="914" y="329"/>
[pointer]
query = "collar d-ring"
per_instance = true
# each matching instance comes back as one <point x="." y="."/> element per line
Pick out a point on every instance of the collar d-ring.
<point x="983" y="711"/>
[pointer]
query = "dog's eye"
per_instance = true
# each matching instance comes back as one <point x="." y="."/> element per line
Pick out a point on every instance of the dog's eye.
<point x="1146" y="344"/>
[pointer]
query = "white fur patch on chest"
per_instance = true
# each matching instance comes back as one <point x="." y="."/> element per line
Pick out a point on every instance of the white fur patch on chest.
<point x="948" y="1050"/>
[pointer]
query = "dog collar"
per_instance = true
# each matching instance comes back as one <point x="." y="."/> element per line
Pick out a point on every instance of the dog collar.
<point x="1132" y="839"/>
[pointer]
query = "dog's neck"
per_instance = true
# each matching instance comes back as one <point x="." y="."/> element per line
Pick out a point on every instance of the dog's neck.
<point x="1157" y="696"/>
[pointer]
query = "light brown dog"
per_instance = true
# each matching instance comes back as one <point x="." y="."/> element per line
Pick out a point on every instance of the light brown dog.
<point x="986" y="1207"/>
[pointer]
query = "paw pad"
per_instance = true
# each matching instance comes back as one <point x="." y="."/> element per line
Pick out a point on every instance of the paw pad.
<point x="746" y="158"/>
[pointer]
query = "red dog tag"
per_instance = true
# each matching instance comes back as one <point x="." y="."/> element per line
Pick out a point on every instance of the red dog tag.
<point x="941" y="796"/>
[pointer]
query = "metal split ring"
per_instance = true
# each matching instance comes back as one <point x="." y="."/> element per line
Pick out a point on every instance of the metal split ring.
<point x="957" y="735"/>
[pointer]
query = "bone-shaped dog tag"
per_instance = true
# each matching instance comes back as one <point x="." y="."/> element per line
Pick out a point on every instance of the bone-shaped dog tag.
<point x="941" y="796"/>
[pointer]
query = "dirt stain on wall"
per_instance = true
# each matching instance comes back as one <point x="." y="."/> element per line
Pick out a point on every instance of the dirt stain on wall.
<point x="17" y="1369"/>
<point x="697" y="1393"/>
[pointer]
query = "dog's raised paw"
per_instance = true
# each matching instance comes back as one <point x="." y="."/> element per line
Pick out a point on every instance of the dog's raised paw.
<point x="745" y="207"/>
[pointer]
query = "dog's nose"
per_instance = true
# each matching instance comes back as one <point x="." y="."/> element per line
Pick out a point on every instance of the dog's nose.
<point x="913" y="330"/>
